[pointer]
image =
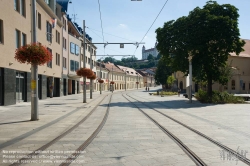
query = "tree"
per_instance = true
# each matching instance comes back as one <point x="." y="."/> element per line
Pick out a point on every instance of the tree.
<point x="208" y="35"/>
<point x="150" y="57"/>
<point x="170" y="80"/>
<point x="162" y="72"/>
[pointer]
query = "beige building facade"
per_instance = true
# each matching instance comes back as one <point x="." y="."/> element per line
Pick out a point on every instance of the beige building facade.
<point x="15" y="28"/>
<point x="240" y="81"/>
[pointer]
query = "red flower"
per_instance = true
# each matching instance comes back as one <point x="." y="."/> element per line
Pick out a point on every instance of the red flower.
<point x="84" y="72"/>
<point x="33" y="54"/>
<point x="100" y="81"/>
<point x="112" y="82"/>
<point x="93" y="77"/>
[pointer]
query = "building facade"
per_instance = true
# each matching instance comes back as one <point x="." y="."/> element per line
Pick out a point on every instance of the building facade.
<point x="15" y="28"/>
<point x="240" y="81"/>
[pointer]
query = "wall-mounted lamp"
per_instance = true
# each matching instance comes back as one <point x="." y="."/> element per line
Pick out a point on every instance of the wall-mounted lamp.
<point x="11" y="63"/>
<point x="44" y="71"/>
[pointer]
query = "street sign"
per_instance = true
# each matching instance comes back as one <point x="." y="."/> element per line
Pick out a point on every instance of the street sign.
<point x="121" y="45"/>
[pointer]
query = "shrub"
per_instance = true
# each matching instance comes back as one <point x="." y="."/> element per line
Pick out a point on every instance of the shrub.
<point x="166" y="93"/>
<point x="218" y="97"/>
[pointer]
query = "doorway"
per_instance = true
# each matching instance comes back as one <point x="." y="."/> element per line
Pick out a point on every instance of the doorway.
<point x="40" y="86"/>
<point x="73" y="87"/>
<point x="64" y="87"/>
<point x="20" y="88"/>
<point x="1" y="86"/>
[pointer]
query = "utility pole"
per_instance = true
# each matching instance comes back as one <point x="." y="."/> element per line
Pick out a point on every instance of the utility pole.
<point x="84" y="63"/>
<point x="125" y="80"/>
<point x="112" y="81"/>
<point x="91" y="81"/>
<point x="34" y="75"/>
<point x="100" y="77"/>
<point x="190" y="78"/>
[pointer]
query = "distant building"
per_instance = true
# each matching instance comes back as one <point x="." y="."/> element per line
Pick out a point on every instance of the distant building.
<point x="153" y="51"/>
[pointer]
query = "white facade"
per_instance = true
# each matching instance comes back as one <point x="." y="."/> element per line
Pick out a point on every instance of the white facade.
<point x="152" y="51"/>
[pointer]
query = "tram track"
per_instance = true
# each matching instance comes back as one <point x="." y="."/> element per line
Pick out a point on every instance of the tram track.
<point x="197" y="160"/>
<point x="84" y="145"/>
<point x="38" y="129"/>
<point x="229" y="150"/>
<point x="77" y="152"/>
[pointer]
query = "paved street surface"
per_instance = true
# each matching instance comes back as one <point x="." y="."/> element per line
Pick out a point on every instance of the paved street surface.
<point x="128" y="136"/>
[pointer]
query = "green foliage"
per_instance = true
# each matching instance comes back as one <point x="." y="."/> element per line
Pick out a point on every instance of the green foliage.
<point x="162" y="72"/>
<point x="166" y="93"/>
<point x="218" y="97"/>
<point x="170" y="80"/>
<point x="150" y="57"/>
<point x="208" y="34"/>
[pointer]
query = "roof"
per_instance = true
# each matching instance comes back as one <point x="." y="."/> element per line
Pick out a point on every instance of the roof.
<point x="142" y="73"/>
<point x="246" y="52"/>
<point x="129" y="71"/>
<point x="112" y="67"/>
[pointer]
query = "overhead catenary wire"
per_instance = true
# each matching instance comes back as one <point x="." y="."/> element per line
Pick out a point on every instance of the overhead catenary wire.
<point x="101" y="22"/>
<point x="152" y="24"/>
<point x="110" y="34"/>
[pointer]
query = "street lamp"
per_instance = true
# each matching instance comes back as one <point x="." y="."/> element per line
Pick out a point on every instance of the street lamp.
<point x="100" y="74"/>
<point x="190" y="78"/>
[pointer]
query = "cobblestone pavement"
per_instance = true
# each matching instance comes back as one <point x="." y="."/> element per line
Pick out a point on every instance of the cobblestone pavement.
<point x="128" y="137"/>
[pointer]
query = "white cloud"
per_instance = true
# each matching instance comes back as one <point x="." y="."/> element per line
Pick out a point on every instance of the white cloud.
<point x="122" y="25"/>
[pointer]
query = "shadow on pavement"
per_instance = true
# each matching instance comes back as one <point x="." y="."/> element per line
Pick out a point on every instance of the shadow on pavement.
<point x="15" y="122"/>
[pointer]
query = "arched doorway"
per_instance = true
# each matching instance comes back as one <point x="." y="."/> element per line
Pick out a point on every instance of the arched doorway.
<point x="181" y="85"/>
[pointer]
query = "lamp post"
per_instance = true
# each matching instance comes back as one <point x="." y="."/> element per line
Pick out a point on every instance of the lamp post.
<point x="34" y="68"/>
<point x="84" y="64"/>
<point x="91" y="81"/>
<point x="100" y="77"/>
<point x="137" y="80"/>
<point x="112" y="80"/>
<point x="190" y="78"/>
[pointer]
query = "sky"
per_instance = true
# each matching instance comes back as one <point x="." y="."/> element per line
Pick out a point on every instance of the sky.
<point x="126" y="21"/>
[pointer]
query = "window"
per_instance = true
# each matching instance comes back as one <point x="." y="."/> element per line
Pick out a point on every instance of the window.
<point x="243" y="86"/>
<point x="17" y="5"/>
<point x="86" y="46"/>
<point x="233" y="84"/>
<point x="64" y="24"/>
<point x="72" y="65"/>
<point x="24" y="39"/>
<point x="18" y="39"/>
<point x="76" y="65"/>
<point x="22" y="8"/>
<point x="64" y="62"/>
<point x="39" y="21"/>
<point x="49" y="32"/>
<point x="77" y="50"/>
<point x="57" y="59"/>
<point x="64" y="43"/>
<point x="57" y="37"/>
<point x="89" y="48"/>
<point x="88" y="60"/>
<point x="72" y="48"/>
<point x="49" y="64"/>
<point x="1" y="31"/>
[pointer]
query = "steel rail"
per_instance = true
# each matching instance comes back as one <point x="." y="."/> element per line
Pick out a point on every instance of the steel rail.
<point x="77" y="152"/>
<point x="236" y="154"/>
<point x="39" y="150"/>
<point x="189" y="152"/>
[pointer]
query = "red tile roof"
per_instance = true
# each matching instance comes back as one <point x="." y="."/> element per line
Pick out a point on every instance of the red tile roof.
<point x="246" y="52"/>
